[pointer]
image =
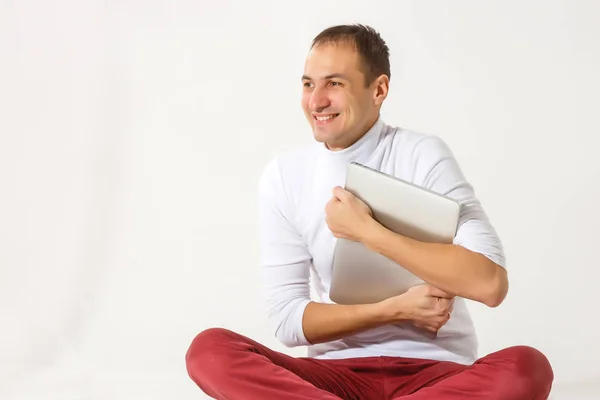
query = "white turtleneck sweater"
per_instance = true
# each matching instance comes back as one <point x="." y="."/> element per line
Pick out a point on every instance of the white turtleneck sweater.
<point x="297" y="246"/>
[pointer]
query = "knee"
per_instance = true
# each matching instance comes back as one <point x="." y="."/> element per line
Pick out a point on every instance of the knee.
<point x="206" y="358"/>
<point x="531" y="372"/>
<point x="528" y="359"/>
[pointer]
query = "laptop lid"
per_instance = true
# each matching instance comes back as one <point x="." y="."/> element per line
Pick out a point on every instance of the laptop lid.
<point x="362" y="276"/>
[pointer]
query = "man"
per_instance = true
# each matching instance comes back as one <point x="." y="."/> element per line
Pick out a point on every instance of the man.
<point x="419" y="345"/>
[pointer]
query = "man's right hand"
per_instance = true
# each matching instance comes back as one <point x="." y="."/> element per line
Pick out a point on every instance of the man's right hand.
<point x="425" y="306"/>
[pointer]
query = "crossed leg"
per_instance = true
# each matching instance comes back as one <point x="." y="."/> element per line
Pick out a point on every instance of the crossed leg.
<point x="514" y="373"/>
<point x="226" y="365"/>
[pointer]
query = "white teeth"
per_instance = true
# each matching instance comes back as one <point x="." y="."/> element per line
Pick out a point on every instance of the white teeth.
<point x="325" y="118"/>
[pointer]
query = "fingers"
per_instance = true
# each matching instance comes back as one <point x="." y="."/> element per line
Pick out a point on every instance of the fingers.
<point x="332" y="202"/>
<point x="430" y="328"/>
<point x="444" y="307"/>
<point x="435" y="292"/>
<point x="341" y="193"/>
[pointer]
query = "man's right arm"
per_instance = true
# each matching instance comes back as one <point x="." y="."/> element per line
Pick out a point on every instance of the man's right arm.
<point x="423" y="305"/>
<point x="327" y="322"/>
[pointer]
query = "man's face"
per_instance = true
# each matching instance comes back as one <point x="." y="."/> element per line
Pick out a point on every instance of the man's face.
<point x="338" y="106"/>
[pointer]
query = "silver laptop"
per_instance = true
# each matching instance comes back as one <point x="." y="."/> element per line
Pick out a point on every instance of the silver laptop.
<point x="361" y="276"/>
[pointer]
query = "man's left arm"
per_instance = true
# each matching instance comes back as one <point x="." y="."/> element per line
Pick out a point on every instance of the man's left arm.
<point x="471" y="267"/>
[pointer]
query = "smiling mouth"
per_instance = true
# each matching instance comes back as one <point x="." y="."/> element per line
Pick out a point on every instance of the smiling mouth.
<point x="323" y="119"/>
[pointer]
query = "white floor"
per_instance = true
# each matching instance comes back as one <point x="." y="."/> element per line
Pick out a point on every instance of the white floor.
<point x="123" y="386"/>
<point x="576" y="391"/>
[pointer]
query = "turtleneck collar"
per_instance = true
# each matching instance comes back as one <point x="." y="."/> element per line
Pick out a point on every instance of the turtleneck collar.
<point x="361" y="150"/>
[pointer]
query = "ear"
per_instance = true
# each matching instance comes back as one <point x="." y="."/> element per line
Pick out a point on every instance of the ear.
<point x="381" y="86"/>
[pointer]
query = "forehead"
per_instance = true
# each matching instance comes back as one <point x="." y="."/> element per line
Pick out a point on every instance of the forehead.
<point x="327" y="59"/>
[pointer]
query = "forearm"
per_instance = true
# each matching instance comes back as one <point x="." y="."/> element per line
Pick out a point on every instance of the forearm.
<point x="326" y="322"/>
<point x="451" y="268"/>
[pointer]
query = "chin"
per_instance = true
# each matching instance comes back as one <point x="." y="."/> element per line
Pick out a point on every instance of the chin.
<point x="331" y="139"/>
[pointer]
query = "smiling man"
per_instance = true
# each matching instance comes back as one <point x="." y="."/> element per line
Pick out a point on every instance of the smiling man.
<point x="370" y="351"/>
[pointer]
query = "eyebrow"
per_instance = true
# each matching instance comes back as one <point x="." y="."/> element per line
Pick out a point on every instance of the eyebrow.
<point x="330" y="76"/>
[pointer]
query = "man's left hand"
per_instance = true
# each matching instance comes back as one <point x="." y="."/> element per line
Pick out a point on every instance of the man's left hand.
<point x="347" y="216"/>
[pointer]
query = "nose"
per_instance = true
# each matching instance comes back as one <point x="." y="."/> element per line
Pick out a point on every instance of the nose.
<point x="318" y="100"/>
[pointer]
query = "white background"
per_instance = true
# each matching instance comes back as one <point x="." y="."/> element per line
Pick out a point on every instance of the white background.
<point x="133" y="134"/>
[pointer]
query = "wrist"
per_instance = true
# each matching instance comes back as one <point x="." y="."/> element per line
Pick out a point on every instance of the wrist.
<point x="371" y="233"/>
<point x="393" y="310"/>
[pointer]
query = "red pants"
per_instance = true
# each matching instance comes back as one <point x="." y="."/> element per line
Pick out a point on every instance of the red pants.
<point x="226" y="365"/>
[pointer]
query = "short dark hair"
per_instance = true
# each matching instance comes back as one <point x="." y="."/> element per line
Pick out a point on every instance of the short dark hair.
<point x="372" y="49"/>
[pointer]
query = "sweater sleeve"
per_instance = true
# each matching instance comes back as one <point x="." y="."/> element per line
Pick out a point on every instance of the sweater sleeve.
<point x="285" y="260"/>
<point x="437" y="169"/>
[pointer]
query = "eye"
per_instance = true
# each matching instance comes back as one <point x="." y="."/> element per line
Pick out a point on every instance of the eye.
<point x="307" y="84"/>
<point x="334" y="83"/>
